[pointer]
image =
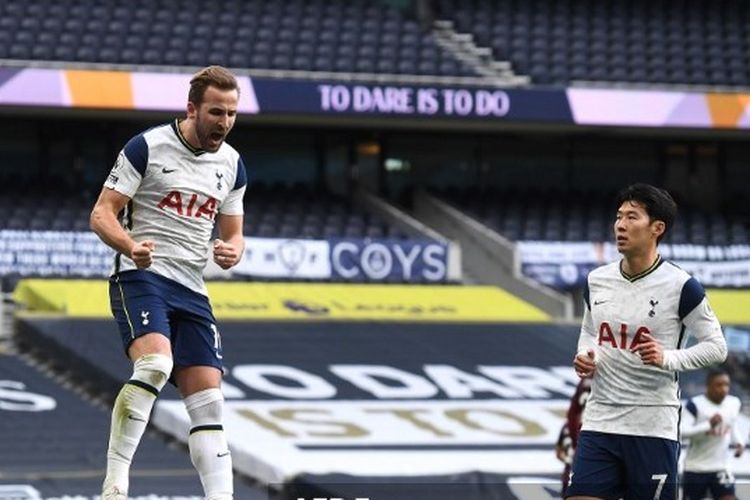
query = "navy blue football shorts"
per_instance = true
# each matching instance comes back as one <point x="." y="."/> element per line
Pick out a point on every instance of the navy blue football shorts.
<point x="620" y="466"/>
<point x="695" y="485"/>
<point x="144" y="302"/>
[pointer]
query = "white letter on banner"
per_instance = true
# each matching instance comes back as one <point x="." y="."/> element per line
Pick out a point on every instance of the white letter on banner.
<point x="310" y="386"/>
<point x="13" y="398"/>
<point x="448" y="101"/>
<point x="464" y="102"/>
<point x="340" y="98"/>
<point x="492" y="103"/>
<point x="325" y="97"/>
<point x="427" y="102"/>
<point x="362" y="98"/>
<point x="405" y="260"/>
<point x="339" y="249"/>
<point x="530" y="381"/>
<point x="459" y="384"/>
<point x="434" y="257"/>
<point x="376" y="261"/>
<point x="366" y="378"/>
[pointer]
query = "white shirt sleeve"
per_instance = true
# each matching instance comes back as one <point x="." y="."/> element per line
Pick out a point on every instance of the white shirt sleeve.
<point x="711" y="348"/>
<point x="587" y="337"/>
<point x="689" y="426"/>
<point x="123" y="178"/>
<point x="232" y="204"/>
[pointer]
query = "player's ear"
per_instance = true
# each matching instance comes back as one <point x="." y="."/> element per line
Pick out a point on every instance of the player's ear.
<point x="191" y="109"/>
<point x="658" y="227"/>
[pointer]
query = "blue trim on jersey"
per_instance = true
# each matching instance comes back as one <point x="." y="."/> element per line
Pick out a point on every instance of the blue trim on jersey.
<point x="692" y="295"/>
<point x="690" y="406"/>
<point x="241" y="179"/>
<point x="136" y="151"/>
<point x="586" y="296"/>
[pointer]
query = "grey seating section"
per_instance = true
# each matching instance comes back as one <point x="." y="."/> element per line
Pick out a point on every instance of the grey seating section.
<point x="299" y="211"/>
<point x="311" y="35"/>
<point x="536" y="215"/>
<point x="701" y="42"/>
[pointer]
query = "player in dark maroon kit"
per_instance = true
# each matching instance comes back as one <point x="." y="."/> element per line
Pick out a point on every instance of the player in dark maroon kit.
<point x="568" y="439"/>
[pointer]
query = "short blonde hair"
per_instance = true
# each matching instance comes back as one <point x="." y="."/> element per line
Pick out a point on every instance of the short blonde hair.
<point x="211" y="76"/>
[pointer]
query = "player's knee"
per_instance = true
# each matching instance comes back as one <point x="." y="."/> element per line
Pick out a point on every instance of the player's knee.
<point x="205" y="407"/>
<point x="152" y="370"/>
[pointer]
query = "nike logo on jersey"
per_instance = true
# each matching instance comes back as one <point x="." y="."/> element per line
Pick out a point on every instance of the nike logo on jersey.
<point x="221" y="455"/>
<point x="166" y="170"/>
<point x="598" y="302"/>
<point x="131" y="417"/>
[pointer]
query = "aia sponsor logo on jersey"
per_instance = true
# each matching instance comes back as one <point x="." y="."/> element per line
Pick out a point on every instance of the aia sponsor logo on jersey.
<point x="624" y="339"/>
<point x="189" y="205"/>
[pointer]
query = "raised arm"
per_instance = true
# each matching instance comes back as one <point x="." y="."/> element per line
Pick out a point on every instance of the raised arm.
<point x="104" y="222"/>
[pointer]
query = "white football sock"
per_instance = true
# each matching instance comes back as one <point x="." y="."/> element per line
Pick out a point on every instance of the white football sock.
<point x="208" y="444"/>
<point x="130" y="415"/>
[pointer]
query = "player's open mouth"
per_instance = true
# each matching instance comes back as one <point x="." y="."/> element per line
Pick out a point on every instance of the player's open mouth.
<point x="217" y="136"/>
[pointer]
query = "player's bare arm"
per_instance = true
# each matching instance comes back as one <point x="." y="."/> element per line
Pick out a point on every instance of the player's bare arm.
<point x="230" y="246"/>
<point x="104" y="223"/>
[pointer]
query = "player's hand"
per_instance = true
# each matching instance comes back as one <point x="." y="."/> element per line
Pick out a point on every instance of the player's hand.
<point x="650" y="351"/>
<point x="716" y="420"/>
<point x="225" y="254"/>
<point x="142" y="253"/>
<point x="561" y="453"/>
<point x="739" y="450"/>
<point x="584" y="364"/>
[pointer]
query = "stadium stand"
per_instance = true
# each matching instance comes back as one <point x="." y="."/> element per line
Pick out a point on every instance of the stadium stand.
<point x="553" y="43"/>
<point x="338" y="36"/>
<point x="667" y="42"/>
<point x="299" y="211"/>
<point x="273" y="211"/>
<point x="57" y="444"/>
<point x="535" y="215"/>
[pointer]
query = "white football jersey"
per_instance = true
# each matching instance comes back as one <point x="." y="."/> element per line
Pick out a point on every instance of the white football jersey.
<point x="175" y="193"/>
<point x="628" y="396"/>
<point x="708" y="449"/>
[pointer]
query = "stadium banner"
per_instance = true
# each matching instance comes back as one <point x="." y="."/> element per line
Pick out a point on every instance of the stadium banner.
<point x="301" y="301"/>
<point x="54" y="253"/>
<point x="83" y="254"/>
<point x="657" y="108"/>
<point x="565" y="265"/>
<point x="730" y="305"/>
<point x="151" y="91"/>
<point x="346" y="259"/>
<point x="285" y="258"/>
<point x="390" y="260"/>
<point x="104" y="89"/>
<point x="347" y="98"/>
